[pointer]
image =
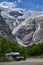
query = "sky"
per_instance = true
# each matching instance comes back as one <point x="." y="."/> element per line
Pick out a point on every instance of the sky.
<point x="31" y="5"/>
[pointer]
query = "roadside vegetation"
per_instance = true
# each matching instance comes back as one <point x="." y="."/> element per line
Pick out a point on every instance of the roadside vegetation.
<point x="6" y="46"/>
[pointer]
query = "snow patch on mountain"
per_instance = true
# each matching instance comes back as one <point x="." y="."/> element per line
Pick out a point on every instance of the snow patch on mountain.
<point x="22" y="22"/>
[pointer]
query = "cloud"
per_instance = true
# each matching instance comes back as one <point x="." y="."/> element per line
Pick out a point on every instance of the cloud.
<point x="8" y="4"/>
<point x="5" y="4"/>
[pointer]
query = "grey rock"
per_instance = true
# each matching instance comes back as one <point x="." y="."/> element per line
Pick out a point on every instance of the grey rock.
<point x="5" y="31"/>
<point x="28" y="26"/>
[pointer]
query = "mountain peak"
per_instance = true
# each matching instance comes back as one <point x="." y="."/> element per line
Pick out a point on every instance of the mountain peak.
<point x="26" y="26"/>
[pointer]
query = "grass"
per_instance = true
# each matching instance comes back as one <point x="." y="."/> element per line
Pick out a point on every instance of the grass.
<point x="39" y="56"/>
<point x="7" y="60"/>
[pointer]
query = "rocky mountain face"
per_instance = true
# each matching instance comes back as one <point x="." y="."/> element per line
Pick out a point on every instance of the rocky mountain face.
<point x="5" y="31"/>
<point x="26" y="27"/>
<point x="12" y="17"/>
<point x="32" y="31"/>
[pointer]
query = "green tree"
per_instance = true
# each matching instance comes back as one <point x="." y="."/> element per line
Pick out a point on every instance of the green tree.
<point x="23" y="51"/>
<point x="4" y="47"/>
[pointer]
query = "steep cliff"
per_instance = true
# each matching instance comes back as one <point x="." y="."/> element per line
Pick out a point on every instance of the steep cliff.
<point x="5" y="30"/>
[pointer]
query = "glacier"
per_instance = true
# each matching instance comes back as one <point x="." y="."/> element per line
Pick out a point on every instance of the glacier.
<point x="22" y="24"/>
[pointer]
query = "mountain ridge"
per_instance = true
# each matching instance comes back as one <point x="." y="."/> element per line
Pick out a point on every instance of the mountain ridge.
<point x="26" y="27"/>
<point x="5" y="31"/>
